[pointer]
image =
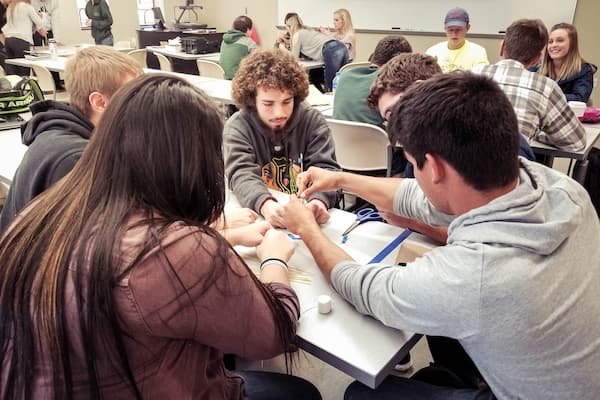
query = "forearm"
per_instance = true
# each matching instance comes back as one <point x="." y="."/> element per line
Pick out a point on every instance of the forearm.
<point x="326" y="254"/>
<point x="377" y="191"/>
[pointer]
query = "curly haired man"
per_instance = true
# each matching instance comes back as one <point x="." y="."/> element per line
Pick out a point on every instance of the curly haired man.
<point x="275" y="135"/>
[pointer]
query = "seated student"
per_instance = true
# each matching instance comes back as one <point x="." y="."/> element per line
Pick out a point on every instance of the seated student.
<point x="58" y="132"/>
<point x="284" y="39"/>
<point x="563" y="63"/>
<point x="344" y="31"/>
<point x="350" y="100"/>
<point x="275" y="135"/>
<point x="236" y="45"/>
<point x="457" y="52"/>
<point x="517" y="283"/>
<point x="541" y="107"/>
<point x="319" y="47"/>
<point x="126" y="291"/>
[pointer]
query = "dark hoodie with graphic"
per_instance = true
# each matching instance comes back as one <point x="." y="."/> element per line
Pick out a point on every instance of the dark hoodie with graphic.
<point x="56" y="136"/>
<point x="257" y="160"/>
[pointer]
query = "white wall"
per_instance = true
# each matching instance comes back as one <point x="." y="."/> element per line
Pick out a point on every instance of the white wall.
<point x="125" y="22"/>
<point x="220" y="14"/>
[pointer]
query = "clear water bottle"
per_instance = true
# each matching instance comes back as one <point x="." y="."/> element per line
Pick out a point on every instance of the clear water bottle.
<point x="335" y="81"/>
<point x="52" y="48"/>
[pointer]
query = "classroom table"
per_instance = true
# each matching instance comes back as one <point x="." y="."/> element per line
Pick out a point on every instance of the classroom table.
<point x="358" y="345"/>
<point x="214" y="57"/>
<point x="12" y="151"/>
<point x="216" y="89"/>
<point x="580" y="157"/>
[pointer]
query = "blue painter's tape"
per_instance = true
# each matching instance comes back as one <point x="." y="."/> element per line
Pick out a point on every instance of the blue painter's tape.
<point x="390" y="247"/>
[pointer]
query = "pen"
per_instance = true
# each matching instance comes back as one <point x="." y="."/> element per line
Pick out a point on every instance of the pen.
<point x="301" y="162"/>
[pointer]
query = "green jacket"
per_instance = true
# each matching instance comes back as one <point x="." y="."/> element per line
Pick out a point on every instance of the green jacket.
<point x="235" y="46"/>
<point x="101" y="18"/>
<point x="350" y="100"/>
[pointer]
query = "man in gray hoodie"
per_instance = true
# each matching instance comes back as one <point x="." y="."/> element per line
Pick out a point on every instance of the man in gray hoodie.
<point x="275" y="136"/>
<point x="516" y="284"/>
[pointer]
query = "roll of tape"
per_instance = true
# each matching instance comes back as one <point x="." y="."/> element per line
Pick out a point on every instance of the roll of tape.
<point x="324" y="304"/>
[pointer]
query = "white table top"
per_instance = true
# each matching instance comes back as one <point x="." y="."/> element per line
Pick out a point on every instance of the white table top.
<point x="216" y="89"/>
<point x="593" y="133"/>
<point x="306" y="64"/>
<point x="11" y="153"/>
<point x="358" y="345"/>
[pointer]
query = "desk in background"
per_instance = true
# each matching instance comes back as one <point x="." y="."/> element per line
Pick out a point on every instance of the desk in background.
<point x="580" y="157"/>
<point x="358" y="345"/>
<point x="210" y="43"/>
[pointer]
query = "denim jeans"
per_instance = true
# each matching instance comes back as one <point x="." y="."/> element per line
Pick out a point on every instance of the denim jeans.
<point x="396" y="388"/>
<point x="260" y="385"/>
<point x="107" y="41"/>
<point x="335" y="55"/>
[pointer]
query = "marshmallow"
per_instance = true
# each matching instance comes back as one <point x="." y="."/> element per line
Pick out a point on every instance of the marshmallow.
<point x="324" y="304"/>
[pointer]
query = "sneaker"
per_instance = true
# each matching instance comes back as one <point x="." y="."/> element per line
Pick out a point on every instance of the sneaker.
<point x="404" y="365"/>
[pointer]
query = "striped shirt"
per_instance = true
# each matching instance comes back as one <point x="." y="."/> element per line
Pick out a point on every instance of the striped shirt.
<point x="541" y="107"/>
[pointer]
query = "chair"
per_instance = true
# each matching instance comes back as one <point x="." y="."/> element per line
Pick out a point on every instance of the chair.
<point x="210" y="69"/>
<point x="361" y="148"/>
<point x="165" y="63"/>
<point x="355" y="64"/>
<point x="45" y="80"/>
<point x="140" y="57"/>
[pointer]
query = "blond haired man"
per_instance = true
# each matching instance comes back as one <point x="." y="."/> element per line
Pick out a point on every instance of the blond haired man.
<point x="58" y="132"/>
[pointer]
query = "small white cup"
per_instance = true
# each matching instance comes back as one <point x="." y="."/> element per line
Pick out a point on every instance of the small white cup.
<point x="578" y="107"/>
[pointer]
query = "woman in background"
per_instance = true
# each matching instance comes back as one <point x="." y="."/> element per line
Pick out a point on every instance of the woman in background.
<point x="113" y="282"/>
<point x="563" y="63"/>
<point x="21" y="19"/>
<point x="319" y="47"/>
<point x="344" y="30"/>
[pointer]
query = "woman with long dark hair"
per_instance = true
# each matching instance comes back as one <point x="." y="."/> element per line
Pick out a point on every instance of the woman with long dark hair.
<point x="113" y="284"/>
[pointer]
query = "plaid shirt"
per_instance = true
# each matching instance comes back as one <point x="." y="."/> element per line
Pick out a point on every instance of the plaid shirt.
<point x="541" y="107"/>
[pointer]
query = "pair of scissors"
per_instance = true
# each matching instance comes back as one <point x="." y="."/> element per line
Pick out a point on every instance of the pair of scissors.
<point x="364" y="215"/>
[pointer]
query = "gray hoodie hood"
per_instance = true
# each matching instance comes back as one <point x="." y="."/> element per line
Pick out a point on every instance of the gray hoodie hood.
<point x="538" y="216"/>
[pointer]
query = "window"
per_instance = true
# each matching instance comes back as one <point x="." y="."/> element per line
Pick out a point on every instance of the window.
<point x="144" y="7"/>
<point x="144" y="11"/>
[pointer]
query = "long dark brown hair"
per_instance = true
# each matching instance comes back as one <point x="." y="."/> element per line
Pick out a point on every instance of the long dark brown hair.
<point x="156" y="153"/>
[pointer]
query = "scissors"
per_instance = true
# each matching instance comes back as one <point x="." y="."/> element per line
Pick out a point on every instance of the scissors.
<point x="364" y="215"/>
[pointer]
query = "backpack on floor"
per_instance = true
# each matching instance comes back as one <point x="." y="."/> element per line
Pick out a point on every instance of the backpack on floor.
<point x="17" y="93"/>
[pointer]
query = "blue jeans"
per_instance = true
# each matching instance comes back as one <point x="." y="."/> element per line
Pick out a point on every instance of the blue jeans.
<point x="335" y="55"/>
<point x="397" y="388"/>
<point x="107" y="41"/>
<point x="260" y="385"/>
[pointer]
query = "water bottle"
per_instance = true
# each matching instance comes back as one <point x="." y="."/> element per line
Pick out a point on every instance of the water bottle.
<point x="335" y="81"/>
<point x="52" y="48"/>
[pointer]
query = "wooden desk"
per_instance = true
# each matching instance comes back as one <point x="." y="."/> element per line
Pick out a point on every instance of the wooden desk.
<point x="580" y="157"/>
<point x="356" y="344"/>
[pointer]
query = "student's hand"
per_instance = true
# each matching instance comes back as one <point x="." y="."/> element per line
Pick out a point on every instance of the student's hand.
<point x="272" y="212"/>
<point x="250" y="235"/>
<point x="42" y="32"/>
<point x="298" y="217"/>
<point x="88" y="22"/>
<point x="319" y="210"/>
<point x="315" y="180"/>
<point x="239" y="217"/>
<point x="275" y="244"/>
